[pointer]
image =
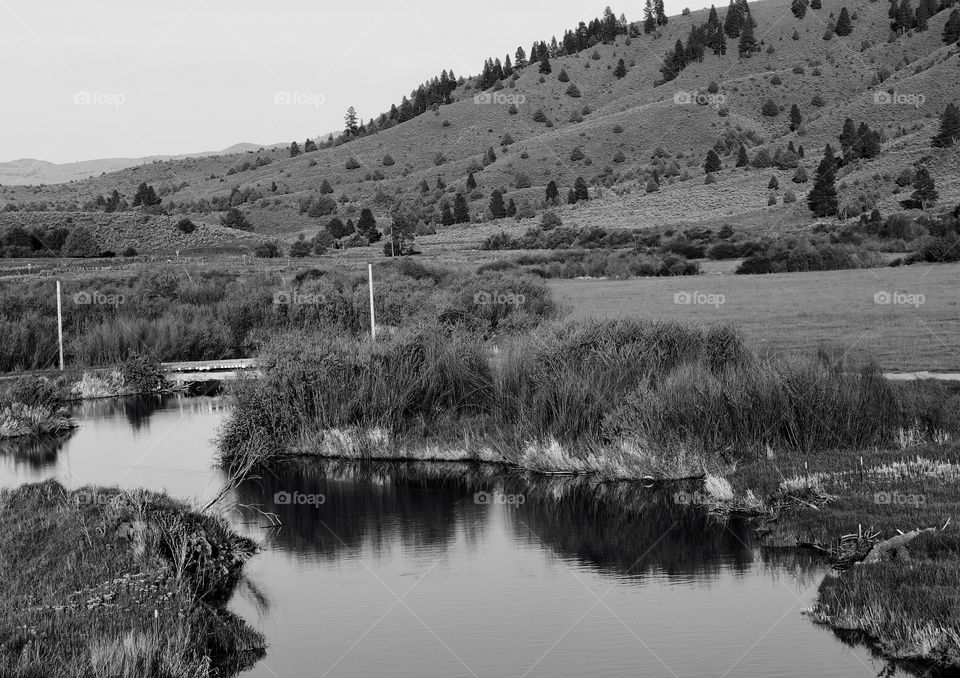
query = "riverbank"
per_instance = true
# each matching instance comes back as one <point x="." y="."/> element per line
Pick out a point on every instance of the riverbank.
<point x="886" y="519"/>
<point x="137" y="588"/>
<point x="815" y="447"/>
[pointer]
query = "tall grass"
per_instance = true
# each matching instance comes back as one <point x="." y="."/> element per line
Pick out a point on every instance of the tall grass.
<point x="169" y="314"/>
<point x="569" y="396"/>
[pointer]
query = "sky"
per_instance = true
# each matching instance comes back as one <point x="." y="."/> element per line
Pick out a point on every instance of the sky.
<point x="105" y="78"/>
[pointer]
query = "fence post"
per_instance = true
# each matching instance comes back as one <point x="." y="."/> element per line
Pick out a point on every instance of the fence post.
<point x="60" y="325"/>
<point x="373" y="321"/>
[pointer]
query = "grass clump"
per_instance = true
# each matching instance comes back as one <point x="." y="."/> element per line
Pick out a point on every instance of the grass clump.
<point x="137" y="587"/>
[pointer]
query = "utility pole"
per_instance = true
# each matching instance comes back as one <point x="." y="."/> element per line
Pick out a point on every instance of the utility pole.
<point x="60" y="325"/>
<point x="373" y="321"/>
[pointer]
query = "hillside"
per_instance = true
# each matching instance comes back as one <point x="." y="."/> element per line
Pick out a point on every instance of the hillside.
<point x="624" y="131"/>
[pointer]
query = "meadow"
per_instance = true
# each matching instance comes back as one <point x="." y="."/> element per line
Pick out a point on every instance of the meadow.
<point x="795" y="313"/>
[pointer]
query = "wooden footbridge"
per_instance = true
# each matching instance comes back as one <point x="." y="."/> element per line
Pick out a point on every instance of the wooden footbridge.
<point x="210" y="370"/>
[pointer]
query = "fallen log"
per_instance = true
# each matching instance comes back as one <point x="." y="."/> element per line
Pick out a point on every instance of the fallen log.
<point x="897" y="544"/>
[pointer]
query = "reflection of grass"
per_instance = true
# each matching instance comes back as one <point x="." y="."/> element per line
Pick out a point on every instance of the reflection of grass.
<point x="135" y="587"/>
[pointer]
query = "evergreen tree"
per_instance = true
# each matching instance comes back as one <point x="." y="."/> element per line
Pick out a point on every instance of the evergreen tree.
<point x="848" y="135"/>
<point x="951" y="30"/>
<point x="903" y="21"/>
<point x="924" y="190"/>
<point x="553" y="193"/>
<point x="712" y="163"/>
<point x="351" y="120"/>
<point x="949" y="127"/>
<point x="923" y="14"/>
<point x="471" y="182"/>
<point x="799" y="8"/>
<point x="649" y="20"/>
<point x="816" y="4"/>
<point x="367" y="225"/>
<point x="844" y="27"/>
<point x="511" y="208"/>
<point x="294" y="149"/>
<point x="545" y="64"/>
<point x="446" y="216"/>
<point x="823" y="199"/>
<point x="461" y="211"/>
<point x="309" y="146"/>
<point x="748" y="44"/>
<point x="621" y="69"/>
<point x="731" y="24"/>
<point x="580" y="189"/>
<point x="743" y="160"/>
<point x="520" y="59"/>
<point x="713" y="21"/>
<point x="497" y="208"/>
<point x="661" y="13"/>
<point x="796" y="119"/>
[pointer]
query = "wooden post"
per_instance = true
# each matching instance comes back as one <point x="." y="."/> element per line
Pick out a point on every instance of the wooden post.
<point x="60" y="325"/>
<point x="373" y="320"/>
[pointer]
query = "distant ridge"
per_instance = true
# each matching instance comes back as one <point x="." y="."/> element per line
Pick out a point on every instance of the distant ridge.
<point x="30" y="171"/>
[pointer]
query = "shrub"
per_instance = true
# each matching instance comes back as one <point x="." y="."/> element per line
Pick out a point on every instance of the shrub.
<point x="770" y="108"/>
<point x="266" y="250"/>
<point x="186" y="226"/>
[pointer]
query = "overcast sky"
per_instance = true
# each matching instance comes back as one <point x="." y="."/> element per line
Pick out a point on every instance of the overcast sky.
<point x="103" y="78"/>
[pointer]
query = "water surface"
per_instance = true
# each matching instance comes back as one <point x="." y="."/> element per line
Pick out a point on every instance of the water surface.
<point x="461" y="570"/>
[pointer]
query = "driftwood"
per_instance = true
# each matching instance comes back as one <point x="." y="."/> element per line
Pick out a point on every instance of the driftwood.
<point x="897" y="545"/>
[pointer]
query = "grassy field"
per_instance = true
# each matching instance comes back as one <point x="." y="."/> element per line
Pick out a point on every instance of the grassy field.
<point x="797" y="312"/>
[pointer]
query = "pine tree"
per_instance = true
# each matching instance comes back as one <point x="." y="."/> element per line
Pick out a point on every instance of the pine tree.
<point x="446" y="216"/>
<point x="325" y="187"/>
<point x="748" y="44"/>
<point x="844" y="26"/>
<point x="924" y="190"/>
<point x="461" y="211"/>
<point x="545" y="64"/>
<point x="649" y="20"/>
<point x="847" y="136"/>
<point x="351" y="120"/>
<point x="511" y="208"/>
<point x="796" y="119"/>
<point x="920" y="22"/>
<point x="621" y="69"/>
<point x="951" y="30"/>
<point x="949" y="127"/>
<point x="497" y="208"/>
<point x="553" y="193"/>
<point x="712" y="163"/>
<point x="471" y="182"/>
<point x="580" y="189"/>
<point x="294" y="149"/>
<point x="731" y="24"/>
<point x="743" y="160"/>
<point x="799" y="8"/>
<point x="520" y="59"/>
<point x="713" y="21"/>
<point x="823" y="199"/>
<point x="661" y="13"/>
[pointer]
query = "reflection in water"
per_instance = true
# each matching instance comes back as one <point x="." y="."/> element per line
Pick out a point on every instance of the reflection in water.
<point x="579" y="578"/>
<point x="36" y="453"/>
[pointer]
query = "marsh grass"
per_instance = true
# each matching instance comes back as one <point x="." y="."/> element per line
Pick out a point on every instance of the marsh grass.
<point x="621" y="398"/>
<point x="136" y="587"/>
